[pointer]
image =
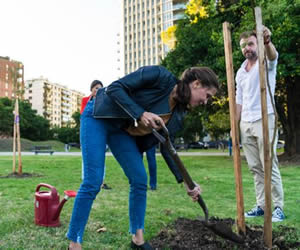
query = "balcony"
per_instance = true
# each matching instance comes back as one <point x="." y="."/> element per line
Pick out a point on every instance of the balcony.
<point x="65" y="98"/>
<point x="66" y="104"/>
<point x="178" y="16"/>
<point x="66" y="92"/>
<point x="65" y="110"/>
<point x="179" y="7"/>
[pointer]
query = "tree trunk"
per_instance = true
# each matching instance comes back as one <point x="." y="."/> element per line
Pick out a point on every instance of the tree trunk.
<point x="289" y="116"/>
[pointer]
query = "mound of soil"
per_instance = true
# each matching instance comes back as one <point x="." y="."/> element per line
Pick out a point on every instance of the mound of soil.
<point x="186" y="234"/>
<point x="23" y="175"/>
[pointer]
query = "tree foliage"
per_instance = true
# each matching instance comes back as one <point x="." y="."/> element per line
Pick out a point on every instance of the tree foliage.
<point x="32" y="126"/>
<point x="201" y="44"/>
<point x="66" y="134"/>
<point x="70" y="133"/>
<point x="6" y="116"/>
<point x="76" y="118"/>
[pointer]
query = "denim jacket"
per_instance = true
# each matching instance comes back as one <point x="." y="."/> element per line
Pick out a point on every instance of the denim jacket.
<point x="146" y="89"/>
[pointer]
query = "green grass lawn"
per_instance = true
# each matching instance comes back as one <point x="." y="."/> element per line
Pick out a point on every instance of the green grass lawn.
<point x="214" y="174"/>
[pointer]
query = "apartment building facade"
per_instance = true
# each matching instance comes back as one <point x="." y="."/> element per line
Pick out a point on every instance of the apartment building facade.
<point x="144" y="21"/>
<point x="53" y="101"/>
<point x="11" y="78"/>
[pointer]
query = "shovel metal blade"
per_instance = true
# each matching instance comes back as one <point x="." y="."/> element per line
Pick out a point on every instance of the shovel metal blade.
<point x="221" y="229"/>
<point x="224" y="231"/>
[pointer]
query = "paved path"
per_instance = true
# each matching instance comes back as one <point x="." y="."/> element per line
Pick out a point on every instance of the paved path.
<point x="109" y="153"/>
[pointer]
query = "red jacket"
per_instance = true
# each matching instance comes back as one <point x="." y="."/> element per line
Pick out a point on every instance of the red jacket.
<point x="84" y="101"/>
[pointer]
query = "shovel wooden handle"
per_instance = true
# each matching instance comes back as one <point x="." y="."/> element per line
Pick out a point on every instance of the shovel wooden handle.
<point x="187" y="179"/>
<point x="185" y="175"/>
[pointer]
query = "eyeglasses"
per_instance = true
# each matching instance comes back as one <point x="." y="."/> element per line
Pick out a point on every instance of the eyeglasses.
<point x="250" y="44"/>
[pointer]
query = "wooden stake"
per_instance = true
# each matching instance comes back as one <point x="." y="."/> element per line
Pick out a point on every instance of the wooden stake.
<point x="234" y="129"/>
<point x="264" y="112"/>
<point x="14" y="141"/>
<point x="17" y="121"/>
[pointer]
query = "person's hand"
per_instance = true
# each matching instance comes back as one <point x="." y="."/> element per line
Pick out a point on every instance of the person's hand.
<point x="151" y="120"/>
<point x="267" y="35"/>
<point x="195" y="192"/>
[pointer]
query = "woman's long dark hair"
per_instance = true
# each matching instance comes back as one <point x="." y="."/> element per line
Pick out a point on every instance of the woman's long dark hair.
<point x="204" y="75"/>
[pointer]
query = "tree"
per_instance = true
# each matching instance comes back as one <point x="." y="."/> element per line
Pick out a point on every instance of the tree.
<point x="201" y="43"/>
<point x="218" y="124"/>
<point x="32" y="126"/>
<point x="66" y="134"/>
<point x="193" y="129"/>
<point x="76" y="118"/>
<point x="286" y="36"/>
<point x="6" y="116"/>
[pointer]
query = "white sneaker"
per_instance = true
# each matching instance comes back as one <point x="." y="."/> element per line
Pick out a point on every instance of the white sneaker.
<point x="277" y="215"/>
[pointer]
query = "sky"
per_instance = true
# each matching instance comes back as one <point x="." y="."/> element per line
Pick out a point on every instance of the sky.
<point x="69" y="42"/>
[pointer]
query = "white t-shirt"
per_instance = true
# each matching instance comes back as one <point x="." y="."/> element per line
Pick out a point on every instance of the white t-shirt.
<point x="248" y="90"/>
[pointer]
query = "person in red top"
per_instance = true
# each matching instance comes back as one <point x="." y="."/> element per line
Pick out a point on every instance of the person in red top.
<point x="95" y="85"/>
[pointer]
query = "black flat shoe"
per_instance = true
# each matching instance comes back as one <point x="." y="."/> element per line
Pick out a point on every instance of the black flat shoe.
<point x="105" y="186"/>
<point x="145" y="246"/>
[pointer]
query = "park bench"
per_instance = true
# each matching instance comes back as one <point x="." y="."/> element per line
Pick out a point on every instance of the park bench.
<point x="43" y="149"/>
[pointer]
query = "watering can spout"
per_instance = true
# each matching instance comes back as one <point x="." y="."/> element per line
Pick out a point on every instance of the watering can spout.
<point x="57" y="210"/>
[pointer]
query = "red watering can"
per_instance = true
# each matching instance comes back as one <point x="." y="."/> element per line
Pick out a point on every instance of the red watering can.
<point x="47" y="205"/>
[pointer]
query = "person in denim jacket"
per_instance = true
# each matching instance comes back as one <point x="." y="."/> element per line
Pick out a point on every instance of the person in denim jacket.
<point x="123" y="115"/>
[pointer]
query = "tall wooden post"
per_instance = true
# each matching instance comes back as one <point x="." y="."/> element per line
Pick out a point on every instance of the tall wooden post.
<point x="264" y="112"/>
<point x="234" y="129"/>
<point x="14" y="141"/>
<point x="17" y="121"/>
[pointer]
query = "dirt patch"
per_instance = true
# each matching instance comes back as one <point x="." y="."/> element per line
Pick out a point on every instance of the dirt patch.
<point x="187" y="234"/>
<point x="23" y="175"/>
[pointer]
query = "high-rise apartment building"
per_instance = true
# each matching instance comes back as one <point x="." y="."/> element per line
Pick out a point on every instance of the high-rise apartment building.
<point x="144" y="20"/>
<point x="11" y="78"/>
<point x="53" y="101"/>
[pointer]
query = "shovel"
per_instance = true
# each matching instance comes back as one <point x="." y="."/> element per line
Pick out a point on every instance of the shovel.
<point x="218" y="228"/>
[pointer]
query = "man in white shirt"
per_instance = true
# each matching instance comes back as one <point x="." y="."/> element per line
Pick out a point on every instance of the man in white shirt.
<point x="249" y="114"/>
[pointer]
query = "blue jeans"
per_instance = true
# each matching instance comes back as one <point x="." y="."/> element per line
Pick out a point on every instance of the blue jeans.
<point x="94" y="135"/>
<point x="152" y="166"/>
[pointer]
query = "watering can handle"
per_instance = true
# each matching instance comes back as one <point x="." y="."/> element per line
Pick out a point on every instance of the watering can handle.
<point x="53" y="190"/>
